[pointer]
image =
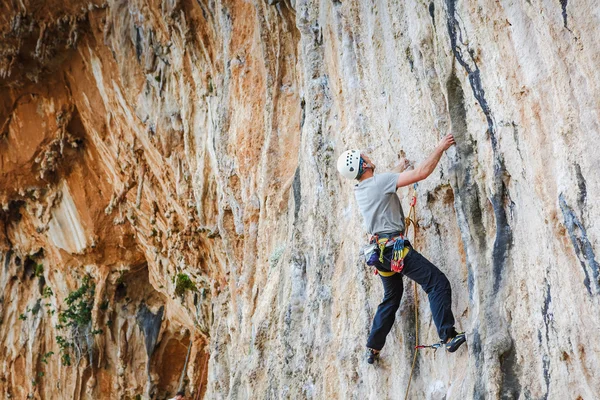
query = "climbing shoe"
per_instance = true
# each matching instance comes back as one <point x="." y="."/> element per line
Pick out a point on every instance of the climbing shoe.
<point x="372" y="356"/>
<point x="453" y="344"/>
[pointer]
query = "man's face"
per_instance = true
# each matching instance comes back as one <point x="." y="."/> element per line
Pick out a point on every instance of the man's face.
<point x="179" y="397"/>
<point x="366" y="159"/>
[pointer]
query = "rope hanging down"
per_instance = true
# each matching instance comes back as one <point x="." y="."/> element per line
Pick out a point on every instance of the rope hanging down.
<point x="412" y="220"/>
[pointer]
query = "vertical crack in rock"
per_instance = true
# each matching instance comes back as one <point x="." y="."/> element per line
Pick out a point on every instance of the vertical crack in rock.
<point x="516" y="139"/>
<point x="303" y="115"/>
<point x="546" y="368"/>
<point x="471" y="67"/>
<point x="7" y="258"/>
<point x="297" y="188"/>
<point x="138" y="43"/>
<point x="545" y="308"/>
<point x="582" y="198"/>
<point x="582" y="246"/>
<point x="477" y="353"/>
<point x="465" y="187"/>
<point x="503" y="240"/>
<point x="563" y="4"/>
<point x="547" y="316"/>
<point x="432" y="13"/>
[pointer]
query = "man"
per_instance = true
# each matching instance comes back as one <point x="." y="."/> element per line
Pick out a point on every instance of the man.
<point x="384" y="218"/>
<point x="179" y="396"/>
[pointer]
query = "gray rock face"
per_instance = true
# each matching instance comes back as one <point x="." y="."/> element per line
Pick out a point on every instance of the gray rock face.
<point x="182" y="155"/>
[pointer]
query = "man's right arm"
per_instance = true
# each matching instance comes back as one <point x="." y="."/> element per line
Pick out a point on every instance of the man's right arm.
<point x="425" y="169"/>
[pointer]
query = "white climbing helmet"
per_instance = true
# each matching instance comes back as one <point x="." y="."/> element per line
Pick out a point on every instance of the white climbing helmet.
<point x="349" y="164"/>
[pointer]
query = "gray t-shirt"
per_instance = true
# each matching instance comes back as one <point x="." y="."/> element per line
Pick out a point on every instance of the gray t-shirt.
<point x="379" y="204"/>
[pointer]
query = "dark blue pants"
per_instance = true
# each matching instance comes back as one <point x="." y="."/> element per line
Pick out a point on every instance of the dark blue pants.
<point x="433" y="282"/>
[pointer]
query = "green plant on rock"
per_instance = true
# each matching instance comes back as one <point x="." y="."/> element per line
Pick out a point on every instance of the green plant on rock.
<point x="39" y="270"/>
<point x="64" y="347"/>
<point x="79" y="305"/>
<point x="46" y="356"/>
<point x="65" y="358"/>
<point x="76" y="321"/>
<point x="62" y="342"/>
<point x="183" y="283"/>
<point x="47" y="292"/>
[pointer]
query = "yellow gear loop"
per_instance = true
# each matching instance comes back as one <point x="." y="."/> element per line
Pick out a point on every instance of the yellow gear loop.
<point x="382" y="243"/>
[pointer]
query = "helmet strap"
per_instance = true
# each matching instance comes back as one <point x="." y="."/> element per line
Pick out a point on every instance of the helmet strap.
<point x="361" y="168"/>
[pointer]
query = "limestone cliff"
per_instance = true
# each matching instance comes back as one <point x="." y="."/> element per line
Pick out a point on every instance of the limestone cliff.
<point x="169" y="193"/>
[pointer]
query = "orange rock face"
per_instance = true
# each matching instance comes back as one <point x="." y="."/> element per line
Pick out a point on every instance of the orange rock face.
<point x="171" y="216"/>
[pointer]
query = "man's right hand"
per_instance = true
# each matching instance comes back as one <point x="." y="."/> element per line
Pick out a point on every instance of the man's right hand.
<point x="424" y="169"/>
<point x="446" y="142"/>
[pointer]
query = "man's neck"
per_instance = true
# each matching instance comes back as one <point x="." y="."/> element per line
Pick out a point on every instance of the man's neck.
<point x="366" y="175"/>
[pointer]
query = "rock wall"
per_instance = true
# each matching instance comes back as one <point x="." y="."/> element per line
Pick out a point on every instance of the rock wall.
<point x="169" y="193"/>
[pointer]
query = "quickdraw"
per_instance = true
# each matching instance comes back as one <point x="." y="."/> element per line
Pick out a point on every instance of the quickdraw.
<point x="398" y="258"/>
<point x="434" y="346"/>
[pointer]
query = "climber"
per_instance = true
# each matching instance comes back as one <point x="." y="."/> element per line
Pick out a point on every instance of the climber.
<point x="179" y="396"/>
<point x="384" y="219"/>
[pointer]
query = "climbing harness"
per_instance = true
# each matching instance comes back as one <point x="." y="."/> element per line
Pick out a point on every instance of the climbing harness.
<point x="378" y="245"/>
<point x="374" y="253"/>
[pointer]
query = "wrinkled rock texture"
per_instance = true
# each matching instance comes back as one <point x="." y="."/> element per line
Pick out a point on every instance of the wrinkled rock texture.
<point x="147" y="144"/>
